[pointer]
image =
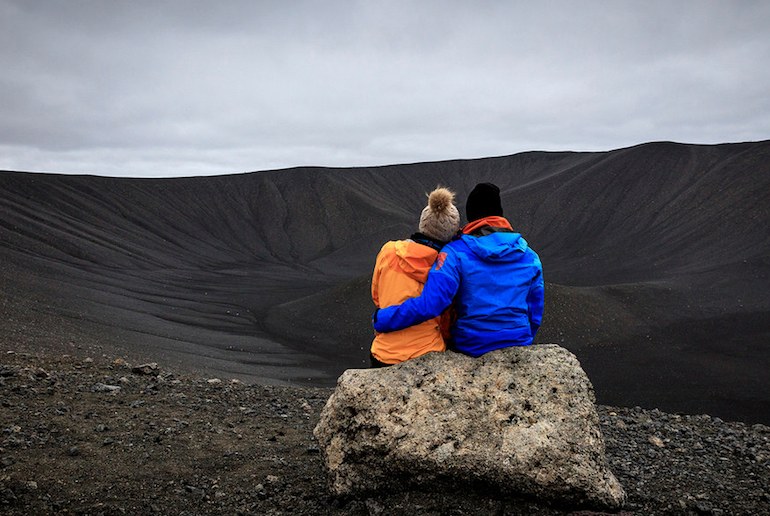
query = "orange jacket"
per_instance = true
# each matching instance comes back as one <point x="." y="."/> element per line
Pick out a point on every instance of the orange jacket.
<point x="400" y="272"/>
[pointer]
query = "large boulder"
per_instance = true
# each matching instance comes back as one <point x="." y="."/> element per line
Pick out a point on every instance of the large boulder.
<point x="517" y="421"/>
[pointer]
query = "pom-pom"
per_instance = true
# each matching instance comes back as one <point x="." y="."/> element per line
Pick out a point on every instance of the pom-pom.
<point x="440" y="200"/>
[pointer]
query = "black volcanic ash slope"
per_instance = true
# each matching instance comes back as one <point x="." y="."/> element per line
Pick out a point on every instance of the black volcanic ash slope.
<point x="657" y="259"/>
<point x="657" y="264"/>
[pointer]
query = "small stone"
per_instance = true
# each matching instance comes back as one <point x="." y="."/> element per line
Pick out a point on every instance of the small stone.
<point x="74" y="451"/>
<point x="88" y="360"/>
<point x="656" y="441"/>
<point x="214" y="381"/>
<point x="373" y="507"/>
<point x="193" y="490"/>
<point x="101" y="428"/>
<point x="272" y="479"/>
<point x="703" y="507"/>
<point x="150" y="368"/>
<point x="103" y="387"/>
<point x="108" y="441"/>
<point x="261" y="492"/>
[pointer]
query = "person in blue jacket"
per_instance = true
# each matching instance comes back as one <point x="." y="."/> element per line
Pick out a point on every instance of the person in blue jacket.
<point x="491" y="277"/>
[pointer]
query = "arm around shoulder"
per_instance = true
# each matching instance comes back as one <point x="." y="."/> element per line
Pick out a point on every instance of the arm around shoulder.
<point x="437" y="295"/>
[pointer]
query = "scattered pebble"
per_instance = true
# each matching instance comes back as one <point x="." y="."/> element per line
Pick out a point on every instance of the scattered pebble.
<point x="657" y="441"/>
<point x="103" y="387"/>
<point x="149" y="369"/>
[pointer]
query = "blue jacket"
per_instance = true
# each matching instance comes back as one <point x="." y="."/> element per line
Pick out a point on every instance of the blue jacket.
<point x="496" y="283"/>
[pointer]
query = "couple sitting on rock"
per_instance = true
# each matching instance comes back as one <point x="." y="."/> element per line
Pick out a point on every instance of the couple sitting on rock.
<point x="473" y="290"/>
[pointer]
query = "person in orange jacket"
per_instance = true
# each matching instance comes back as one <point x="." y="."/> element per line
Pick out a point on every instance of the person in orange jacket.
<point x="400" y="272"/>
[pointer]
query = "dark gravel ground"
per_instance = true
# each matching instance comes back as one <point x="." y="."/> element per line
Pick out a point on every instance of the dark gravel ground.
<point x="97" y="436"/>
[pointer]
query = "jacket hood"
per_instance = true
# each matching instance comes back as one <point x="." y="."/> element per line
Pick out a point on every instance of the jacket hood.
<point x="415" y="260"/>
<point x="497" y="246"/>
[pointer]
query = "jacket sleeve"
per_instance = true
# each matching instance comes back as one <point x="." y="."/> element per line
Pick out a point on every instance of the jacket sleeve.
<point x="536" y="300"/>
<point x="376" y="278"/>
<point x="437" y="295"/>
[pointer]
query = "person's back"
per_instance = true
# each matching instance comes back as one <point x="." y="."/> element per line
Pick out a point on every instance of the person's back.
<point x="400" y="272"/>
<point x="495" y="296"/>
<point x="494" y="279"/>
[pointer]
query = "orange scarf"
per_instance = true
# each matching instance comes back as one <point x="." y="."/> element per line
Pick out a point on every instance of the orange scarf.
<point x="494" y="221"/>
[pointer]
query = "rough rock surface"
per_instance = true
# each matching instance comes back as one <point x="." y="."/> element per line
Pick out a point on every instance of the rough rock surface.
<point x="517" y="420"/>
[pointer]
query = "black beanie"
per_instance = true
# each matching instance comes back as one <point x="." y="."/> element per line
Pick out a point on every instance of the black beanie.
<point x="483" y="201"/>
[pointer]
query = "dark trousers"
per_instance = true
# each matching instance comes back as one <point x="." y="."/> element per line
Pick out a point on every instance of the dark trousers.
<point x="374" y="363"/>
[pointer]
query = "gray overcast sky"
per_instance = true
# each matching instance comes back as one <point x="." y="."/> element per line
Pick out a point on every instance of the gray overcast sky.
<point x="168" y="88"/>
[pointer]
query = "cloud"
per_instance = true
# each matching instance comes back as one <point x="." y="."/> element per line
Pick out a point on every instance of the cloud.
<point x="182" y="88"/>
